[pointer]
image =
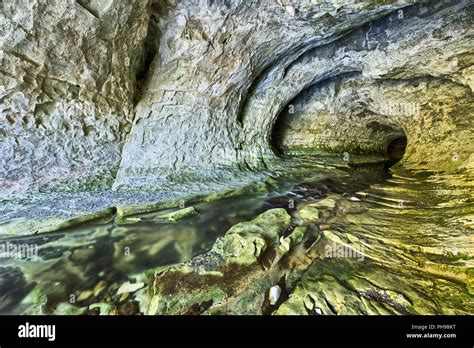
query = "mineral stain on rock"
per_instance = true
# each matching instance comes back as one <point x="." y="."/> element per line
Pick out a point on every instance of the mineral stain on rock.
<point x="184" y="157"/>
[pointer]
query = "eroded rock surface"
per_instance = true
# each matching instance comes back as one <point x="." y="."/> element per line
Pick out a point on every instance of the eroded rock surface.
<point x="188" y="87"/>
<point x="234" y="264"/>
<point x="210" y="60"/>
<point x="67" y="84"/>
<point x="354" y="115"/>
<point x="165" y="105"/>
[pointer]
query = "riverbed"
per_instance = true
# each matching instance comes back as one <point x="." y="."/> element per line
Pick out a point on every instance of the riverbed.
<point x="412" y="232"/>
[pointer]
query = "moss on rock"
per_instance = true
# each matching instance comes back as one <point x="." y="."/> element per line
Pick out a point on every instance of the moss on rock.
<point x="178" y="214"/>
<point x="229" y="268"/>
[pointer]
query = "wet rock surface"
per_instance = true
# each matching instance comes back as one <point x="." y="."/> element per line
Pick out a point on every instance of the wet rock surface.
<point x="183" y="157"/>
<point x="402" y="247"/>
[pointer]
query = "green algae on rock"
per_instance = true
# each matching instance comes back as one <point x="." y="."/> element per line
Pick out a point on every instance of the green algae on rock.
<point x="178" y="214"/>
<point x="308" y="213"/>
<point x="232" y="265"/>
<point x="20" y="226"/>
<point x="396" y="269"/>
<point x="192" y="118"/>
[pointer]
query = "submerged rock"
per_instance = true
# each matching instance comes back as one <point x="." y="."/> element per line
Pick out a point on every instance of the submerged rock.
<point x="129" y="287"/>
<point x="65" y="308"/>
<point x="23" y="226"/>
<point x="119" y="220"/>
<point x="380" y="261"/>
<point x="328" y="202"/>
<point x="179" y="214"/>
<point x="308" y="213"/>
<point x="232" y="265"/>
<point x="294" y="238"/>
<point x="102" y="308"/>
<point x="14" y="286"/>
<point x="128" y="308"/>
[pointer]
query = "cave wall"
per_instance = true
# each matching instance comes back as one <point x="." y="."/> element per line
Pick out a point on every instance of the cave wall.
<point x="221" y="82"/>
<point x="334" y="117"/>
<point x="210" y="56"/>
<point x="362" y="115"/>
<point x="67" y="83"/>
<point x="127" y="92"/>
<point x="433" y="42"/>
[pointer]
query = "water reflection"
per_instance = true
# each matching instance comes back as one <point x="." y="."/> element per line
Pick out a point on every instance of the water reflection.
<point x="402" y="214"/>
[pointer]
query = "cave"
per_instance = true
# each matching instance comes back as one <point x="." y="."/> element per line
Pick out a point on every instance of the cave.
<point x="395" y="150"/>
<point x="193" y="157"/>
<point x="308" y="126"/>
<point x="278" y="135"/>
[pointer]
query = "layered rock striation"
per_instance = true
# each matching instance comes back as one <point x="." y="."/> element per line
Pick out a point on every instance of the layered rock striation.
<point x="131" y="94"/>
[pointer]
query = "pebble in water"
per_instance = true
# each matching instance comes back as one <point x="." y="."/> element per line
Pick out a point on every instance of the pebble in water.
<point x="274" y="295"/>
<point x="129" y="287"/>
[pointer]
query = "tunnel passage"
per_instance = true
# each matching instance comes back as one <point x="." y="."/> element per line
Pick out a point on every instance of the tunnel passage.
<point x="277" y="137"/>
<point x="375" y="117"/>
<point x="336" y="116"/>
<point x="395" y="150"/>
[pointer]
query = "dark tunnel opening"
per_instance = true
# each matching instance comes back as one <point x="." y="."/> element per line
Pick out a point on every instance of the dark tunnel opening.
<point x="276" y="139"/>
<point x="395" y="150"/>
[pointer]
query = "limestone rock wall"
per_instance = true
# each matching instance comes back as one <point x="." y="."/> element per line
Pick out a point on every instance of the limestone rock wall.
<point x="334" y="117"/>
<point x="433" y="42"/>
<point x="210" y="57"/>
<point x="67" y="83"/>
<point x="357" y="115"/>
<point x="125" y="93"/>
<point x="224" y="74"/>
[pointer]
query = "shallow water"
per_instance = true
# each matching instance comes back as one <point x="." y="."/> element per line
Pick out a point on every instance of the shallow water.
<point x="414" y="232"/>
<point x="419" y="225"/>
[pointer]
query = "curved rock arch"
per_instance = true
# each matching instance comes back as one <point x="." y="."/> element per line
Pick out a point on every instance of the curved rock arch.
<point x="200" y="82"/>
<point x="358" y="52"/>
